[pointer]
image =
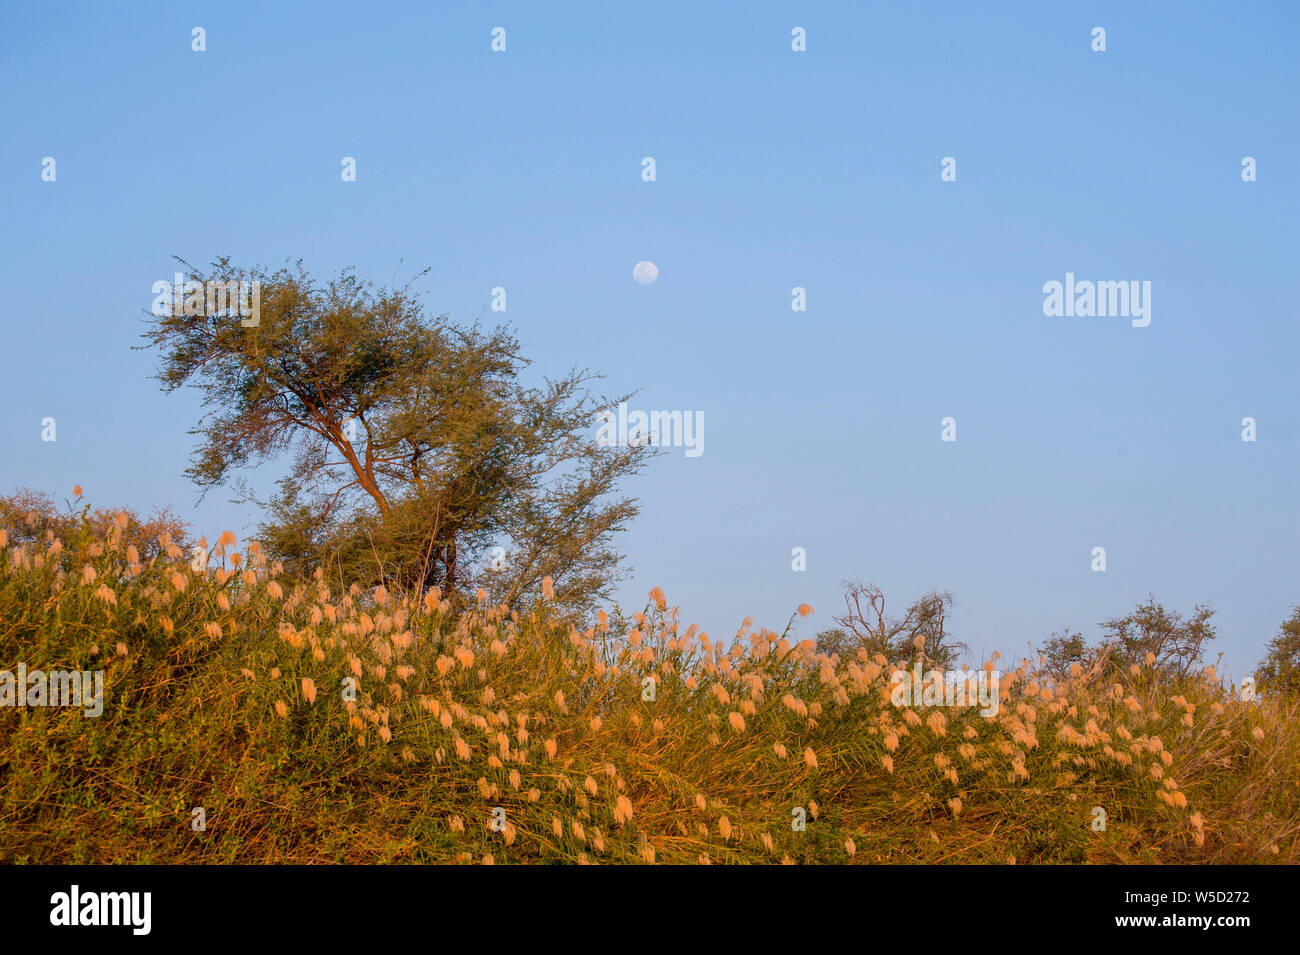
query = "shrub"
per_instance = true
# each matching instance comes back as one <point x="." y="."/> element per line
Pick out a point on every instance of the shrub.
<point x="633" y="740"/>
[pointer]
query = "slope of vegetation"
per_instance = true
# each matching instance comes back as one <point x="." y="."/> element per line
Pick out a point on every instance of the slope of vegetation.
<point x="313" y="725"/>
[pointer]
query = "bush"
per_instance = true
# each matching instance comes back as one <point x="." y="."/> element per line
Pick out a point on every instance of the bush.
<point x="1280" y="670"/>
<point x="510" y="736"/>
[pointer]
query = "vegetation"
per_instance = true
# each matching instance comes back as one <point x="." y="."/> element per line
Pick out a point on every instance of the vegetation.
<point x="414" y="447"/>
<point x="312" y="724"/>
<point x="869" y="628"/>
<point x="1280" y="671"/>
<point x="1163" y="639"/>
<point x="411" y="663"/>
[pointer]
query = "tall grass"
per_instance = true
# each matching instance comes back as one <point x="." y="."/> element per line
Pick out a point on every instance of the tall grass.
<point x="636" y="740"/>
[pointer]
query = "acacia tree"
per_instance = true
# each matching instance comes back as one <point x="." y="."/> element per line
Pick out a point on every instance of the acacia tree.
<point x="866" y="625"/>
<point x="1280" y="669"/>
<point x="1174" y="643"/>
<point x="413" y="446"/>
<point x="1062" y="650"/>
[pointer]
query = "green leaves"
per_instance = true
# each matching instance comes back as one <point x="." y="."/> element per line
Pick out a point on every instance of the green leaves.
<point x="1280" y="670"/>
<point x="413" y="447"/>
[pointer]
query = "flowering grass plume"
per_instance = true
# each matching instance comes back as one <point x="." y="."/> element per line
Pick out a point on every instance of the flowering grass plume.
<point x="315" y="725"/>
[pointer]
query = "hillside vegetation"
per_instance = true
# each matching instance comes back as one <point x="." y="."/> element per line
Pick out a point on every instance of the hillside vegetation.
<point x="487" y="735"/>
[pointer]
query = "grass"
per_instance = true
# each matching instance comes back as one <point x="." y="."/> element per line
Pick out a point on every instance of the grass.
<point x="491" y="736"/>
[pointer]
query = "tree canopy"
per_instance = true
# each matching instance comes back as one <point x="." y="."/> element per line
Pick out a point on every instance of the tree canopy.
<point x="1280" y="669"/>
<point x="919" y="634"/>
<point x="415" y="452"/>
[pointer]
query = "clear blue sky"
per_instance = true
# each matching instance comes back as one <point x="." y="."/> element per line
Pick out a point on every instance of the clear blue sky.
<point x="775" y="169"/>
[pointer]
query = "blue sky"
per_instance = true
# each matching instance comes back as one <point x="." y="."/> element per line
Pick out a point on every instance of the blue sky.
<point x="775" y="169"/>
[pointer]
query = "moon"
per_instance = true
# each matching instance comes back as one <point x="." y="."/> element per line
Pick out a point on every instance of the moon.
<point x="645" y="272"/>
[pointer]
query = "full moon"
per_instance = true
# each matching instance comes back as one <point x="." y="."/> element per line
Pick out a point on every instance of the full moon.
<point x="645" y="272"/>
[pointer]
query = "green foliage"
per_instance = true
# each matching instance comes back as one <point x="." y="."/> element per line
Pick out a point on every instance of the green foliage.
<point x="1175" y="643"/>
<point x="919" y="633"/>
<point x="1280" y="670"/>
<point x="414" y="445"/>
<point x="1062" y="651"/>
